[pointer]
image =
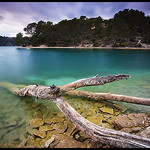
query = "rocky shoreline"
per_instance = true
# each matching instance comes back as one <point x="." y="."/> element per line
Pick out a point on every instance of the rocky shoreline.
<point x="54" y="130"/>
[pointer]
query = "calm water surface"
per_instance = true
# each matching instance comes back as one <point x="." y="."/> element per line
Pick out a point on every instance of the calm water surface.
<point x="61" y="66"/>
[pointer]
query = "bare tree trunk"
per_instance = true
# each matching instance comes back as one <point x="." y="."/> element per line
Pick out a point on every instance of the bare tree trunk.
<point x="97" y="133"/>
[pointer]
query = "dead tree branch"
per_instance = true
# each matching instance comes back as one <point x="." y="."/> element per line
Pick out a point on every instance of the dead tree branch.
<point x="97" y="133"/>
<point x="110" y="96"/>
<point x="93" y="81"/>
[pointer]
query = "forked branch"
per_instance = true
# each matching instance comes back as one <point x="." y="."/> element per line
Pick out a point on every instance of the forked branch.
<point x="97" y="133"/>
<point x="93" y="81"/>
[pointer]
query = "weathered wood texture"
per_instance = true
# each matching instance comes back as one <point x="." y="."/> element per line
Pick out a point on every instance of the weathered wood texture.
<point x="97" y="133"/>
<point x="93" y="81"/>
<point x="110" y="96"/>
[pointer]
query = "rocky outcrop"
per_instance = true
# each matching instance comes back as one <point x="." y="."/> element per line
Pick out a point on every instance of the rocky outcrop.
<point x="132" y="123"/>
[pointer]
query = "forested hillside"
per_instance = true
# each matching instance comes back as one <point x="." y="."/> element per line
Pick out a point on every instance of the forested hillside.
<point x="128" y="28"/>
<point x="7" y="41"/>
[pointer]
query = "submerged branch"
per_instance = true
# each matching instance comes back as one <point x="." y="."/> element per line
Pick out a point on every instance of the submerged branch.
<point x="110" y="96"/>
<point x="97" y="133"/>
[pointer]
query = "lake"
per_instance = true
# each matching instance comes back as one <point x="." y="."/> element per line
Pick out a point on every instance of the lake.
<point x="61" y="66"/>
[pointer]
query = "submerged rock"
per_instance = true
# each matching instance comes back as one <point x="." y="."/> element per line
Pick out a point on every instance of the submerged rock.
<point x="70" y="128"/>
<point x="65" y="141"/>
<point x="56" y="120"/>
<point x="41" y="134"/>
<point x="48" y="142"/>
<point x="37" y="122"/>
<point x="60" y="127"/>
<point x="45" y="128"/>
<point x="107" y="110"/>
<point x="11" y="123"/>
<point x="30" y="130"/>
<point x="47" y="120"/>
<point x="132" y="120"/>
<point x="37" y="115"/>
<point x="95" y="120"/>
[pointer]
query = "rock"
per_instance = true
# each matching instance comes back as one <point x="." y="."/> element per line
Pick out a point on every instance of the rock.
<point x="108" y="118"/>
<point x="92" y="144"/>
<point x="131" y="120"/>
<point x="48" y="120"/>
<point x="39" y="142"/>
<point x="123" y="109"/>
<point x="30" y="130"/>
<point x="56" y="120"/>
<point x="45" y="128"/>
<point x="67" y="142"/>
<point x="70" y="129"/>
<point x="122" y="121"/>
<point x="60" y="127"/>
<point x="145" y="133"/>
<point x="30" y="140"/>
<point x="37" y="115"/>
<point x="95" y="120"/>
<point x="107" y="125"/>
<point x="107" y="110"/>
<point x="37" y="122"/>
<point x="83" y="136"/>
<point x="91" y="113"/>
<point x="23" y="143"/>
<point x="41" y="134"/>
<point x="11" y="123"/>
<point x="131" y="130"/>
<point x="48" y="142"/>
<point x="11" y="136"/>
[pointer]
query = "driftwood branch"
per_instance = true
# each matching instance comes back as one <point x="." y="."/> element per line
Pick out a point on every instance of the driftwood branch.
<point x="110" y="96"/>
<point x="93" y="81"/>
<point x="97" y="133"/>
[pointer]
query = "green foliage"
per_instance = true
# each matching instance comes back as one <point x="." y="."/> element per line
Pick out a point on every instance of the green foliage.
<point x="122" y="30"/>
<point x="19" y="39"/>
<point x="7" y="41"/>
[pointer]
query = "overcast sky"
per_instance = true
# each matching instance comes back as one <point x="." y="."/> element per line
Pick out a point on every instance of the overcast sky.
<point x="15" y="16"/>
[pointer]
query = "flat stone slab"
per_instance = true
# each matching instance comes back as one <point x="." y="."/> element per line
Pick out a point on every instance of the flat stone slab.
<point x="30" y="130"/>
<point x="45" y="128"/>
<point x="107" y="110"/>
<point x="60" y="127"/>
<point x="132" y="120"/>
<point x="37" y="122"/>
<point x="41" y="134"/>
<point x="95" y="120"/>
<point x="56" y="120"/>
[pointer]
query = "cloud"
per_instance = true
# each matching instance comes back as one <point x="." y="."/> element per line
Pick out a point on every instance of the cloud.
<point x="1" y="18"/>
<point x="15" y="16"/>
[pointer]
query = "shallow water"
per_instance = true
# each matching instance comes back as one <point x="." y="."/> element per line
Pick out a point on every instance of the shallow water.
<point x="61" y="66"/>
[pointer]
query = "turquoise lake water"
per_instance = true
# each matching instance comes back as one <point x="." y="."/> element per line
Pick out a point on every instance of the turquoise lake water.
<point x="61" y="66"/>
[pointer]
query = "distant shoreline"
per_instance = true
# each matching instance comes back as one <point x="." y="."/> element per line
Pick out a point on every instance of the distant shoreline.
<point x="77" y="47"/>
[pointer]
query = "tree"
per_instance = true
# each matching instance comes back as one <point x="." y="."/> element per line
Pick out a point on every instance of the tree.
<point x="30" y="29"/>
<point x="19" y="39"/>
